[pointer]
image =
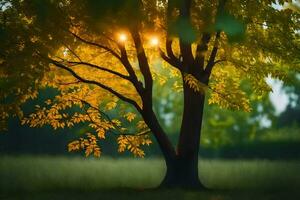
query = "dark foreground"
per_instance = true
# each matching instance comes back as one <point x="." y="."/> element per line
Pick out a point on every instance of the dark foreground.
<point x="131" y="194"/>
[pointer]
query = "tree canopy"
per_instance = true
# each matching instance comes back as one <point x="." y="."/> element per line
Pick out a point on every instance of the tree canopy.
<point x="106" y="54"/>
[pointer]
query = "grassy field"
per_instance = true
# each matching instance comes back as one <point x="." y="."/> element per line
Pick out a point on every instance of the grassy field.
<point x="106" y="178"/>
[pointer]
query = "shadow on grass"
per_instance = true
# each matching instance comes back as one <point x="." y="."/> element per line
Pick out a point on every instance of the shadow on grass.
<point x="157" y="194"/>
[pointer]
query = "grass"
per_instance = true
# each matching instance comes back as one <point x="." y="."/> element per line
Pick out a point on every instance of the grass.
<point x="60" y="173"/>
<point x="79" y="178"/>
<point x="250" y="174"/>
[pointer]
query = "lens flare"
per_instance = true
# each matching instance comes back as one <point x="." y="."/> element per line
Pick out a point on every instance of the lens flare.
<point x="154" y="41"/>
<point x="122" y="37"/>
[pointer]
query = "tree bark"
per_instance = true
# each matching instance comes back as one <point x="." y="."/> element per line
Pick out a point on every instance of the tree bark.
<point x="159" y="134"/>
<point x="182" y="171"/>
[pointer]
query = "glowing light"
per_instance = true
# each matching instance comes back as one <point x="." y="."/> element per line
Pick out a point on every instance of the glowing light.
<point x="65" y="52"/>
<point x="154" y="41"/>
<point x="122" y="37"/>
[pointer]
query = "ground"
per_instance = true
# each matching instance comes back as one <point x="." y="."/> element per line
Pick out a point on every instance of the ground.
<point x="27" y="177"/>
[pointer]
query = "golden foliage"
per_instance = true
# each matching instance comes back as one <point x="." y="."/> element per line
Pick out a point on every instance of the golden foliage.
<point x="132" y="143"/>
<point x="196" y="85"/>
<point x="226" y="92"/>
<point x="130" y="116"/>
<point x="88" y="145"/>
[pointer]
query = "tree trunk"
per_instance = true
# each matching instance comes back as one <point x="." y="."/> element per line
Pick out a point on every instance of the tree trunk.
<point x="182" y="171"/>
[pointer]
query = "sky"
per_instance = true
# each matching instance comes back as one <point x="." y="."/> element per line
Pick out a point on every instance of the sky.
<point x="278" y="97"/>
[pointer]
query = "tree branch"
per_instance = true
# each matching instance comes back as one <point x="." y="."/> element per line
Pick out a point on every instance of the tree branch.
<point x="201" y="49"/>
<point x="147" y="111"/>
<point x="186" y="46"/>
<point x="95" y="44"/>
<point x="218" y="61"/>
<point x="124" y="60"/>
<point x="110" y="120"/>
<point x="120" y="96"/>
<point x="69" y="83"/>
<point x="169" y="60"/>
<point x="73" y="52"/>
<point x="203" y="46"/>
<point x="143" y="62"/>
<point x="101" y="68"/>
<point x="169" y="57"/>
<point x="170" y="52"/>
<point x="211" y="60"/>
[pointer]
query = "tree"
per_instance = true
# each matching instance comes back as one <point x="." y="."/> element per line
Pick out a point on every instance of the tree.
<point x="290" y="116"/>
<point x="100" y="54"/>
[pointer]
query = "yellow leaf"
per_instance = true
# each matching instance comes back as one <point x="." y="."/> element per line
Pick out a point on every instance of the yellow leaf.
<point x="130" y="116"/>
<point x="101" y="133"/>
<point x="110" y="105"/>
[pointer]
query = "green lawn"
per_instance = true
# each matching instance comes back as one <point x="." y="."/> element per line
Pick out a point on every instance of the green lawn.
<point x="79" y="178"/>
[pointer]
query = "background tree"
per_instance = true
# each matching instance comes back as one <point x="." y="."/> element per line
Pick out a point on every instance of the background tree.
<point x="290" y="117"/>
<point x="102" y="53"/>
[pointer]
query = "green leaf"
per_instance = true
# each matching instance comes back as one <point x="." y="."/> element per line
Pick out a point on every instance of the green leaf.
<point x="234" y="28"/>
<point x="184" y="29"/>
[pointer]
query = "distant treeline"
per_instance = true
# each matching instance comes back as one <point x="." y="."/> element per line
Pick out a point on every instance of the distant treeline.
<point x="45" y="141"/>
<point x="252" y="150"/>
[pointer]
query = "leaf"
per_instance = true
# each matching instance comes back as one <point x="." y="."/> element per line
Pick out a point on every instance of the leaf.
<point x="130" y="116"/>
<point x="234" y="29"/>
<point x="141" y="125"/>
<point x="110" y="105"/>
<point x="116" y="122"/>
<point x="196" y="85"/>
<point x="101" y="133"/>
<point x="183" y="28"/>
